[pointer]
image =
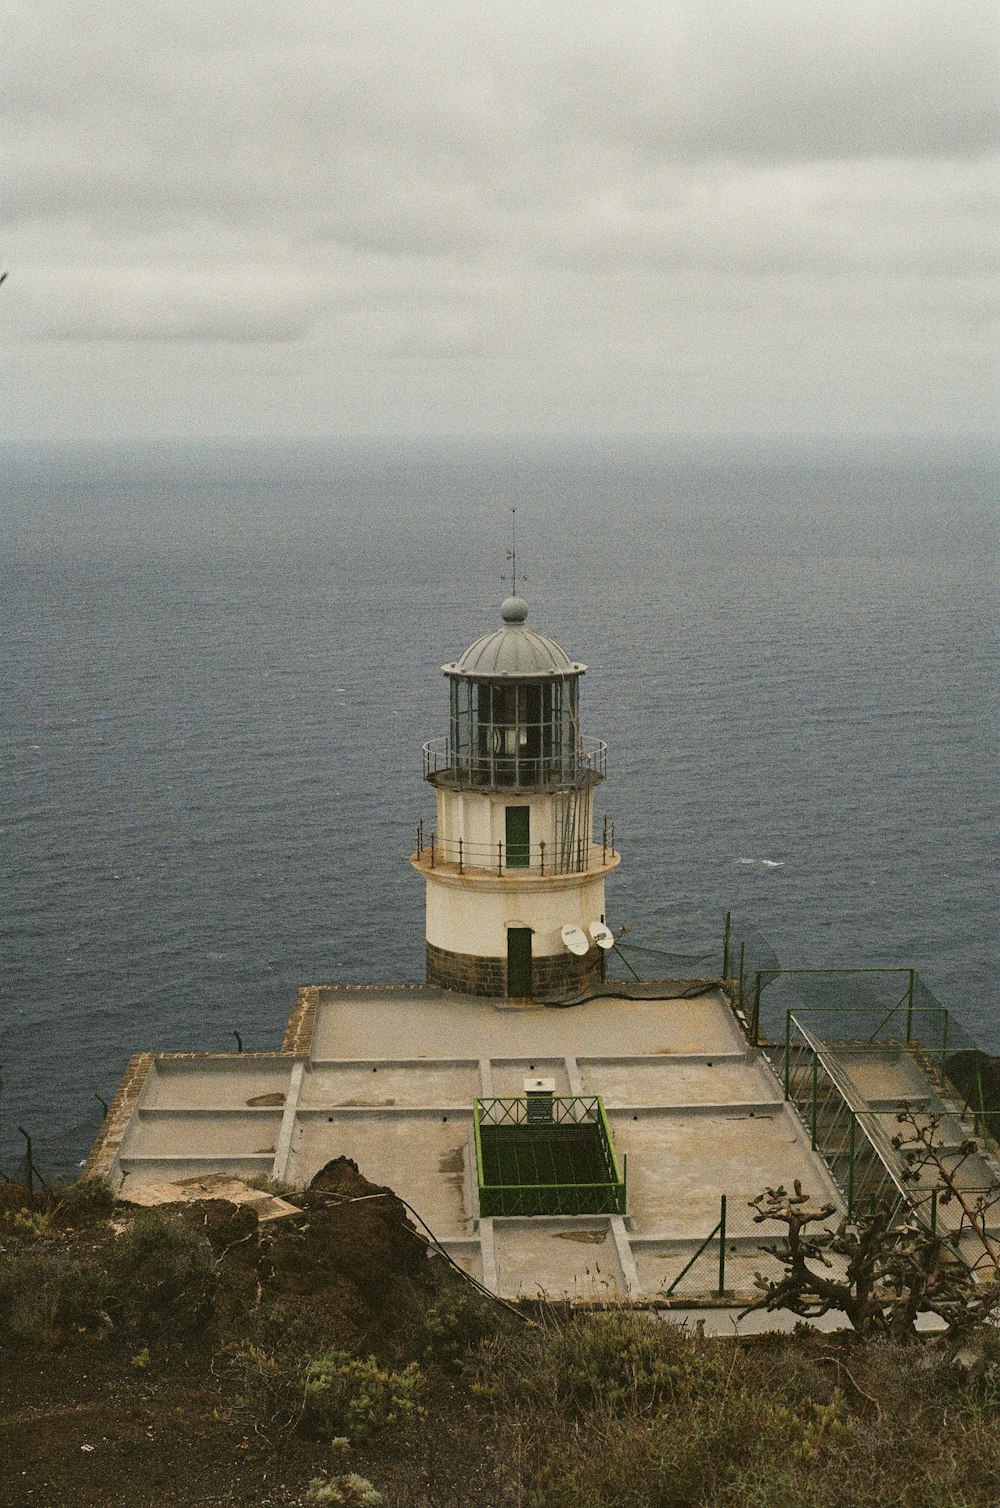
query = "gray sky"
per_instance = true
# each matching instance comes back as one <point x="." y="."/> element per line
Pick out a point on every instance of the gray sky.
<point x="358" y="216"/>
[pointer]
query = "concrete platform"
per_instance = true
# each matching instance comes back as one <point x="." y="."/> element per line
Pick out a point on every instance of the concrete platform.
<point x="388" y="1076"/>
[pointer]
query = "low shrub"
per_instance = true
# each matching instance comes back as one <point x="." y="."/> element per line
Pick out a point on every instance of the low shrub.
<point x="164" y="1277"/>
<point x="616" y="1364"/>
<point x="356" y="1397"/>
<point x="79" y="1203"/>
<point x="350" y="1490"/>
<point x="455" y="1324"/>
<point x="42" y="1293"/>
<point x="269" y="1389"/>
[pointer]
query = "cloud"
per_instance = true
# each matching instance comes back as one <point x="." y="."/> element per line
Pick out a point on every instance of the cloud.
<point x="144" y="303"/>
<point x="574" y="187"/>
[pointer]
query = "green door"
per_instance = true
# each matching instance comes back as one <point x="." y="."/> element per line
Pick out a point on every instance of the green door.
<point x="519" y="962"/>
<point x="518" y="837"/>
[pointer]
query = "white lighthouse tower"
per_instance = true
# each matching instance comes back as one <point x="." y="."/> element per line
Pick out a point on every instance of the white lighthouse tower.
<point x="515" y="879"/>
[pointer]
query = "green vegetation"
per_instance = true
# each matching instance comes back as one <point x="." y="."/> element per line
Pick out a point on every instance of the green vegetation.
<point x="236" y="1362"/>
<point x="350" y="1490"/>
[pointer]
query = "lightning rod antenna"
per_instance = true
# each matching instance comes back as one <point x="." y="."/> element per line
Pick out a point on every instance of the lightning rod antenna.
<point x="512" y="552"/>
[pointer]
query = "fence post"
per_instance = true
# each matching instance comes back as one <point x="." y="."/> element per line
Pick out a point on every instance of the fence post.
<point x="909" y="1006"/>
<point x="815" y="1080"/>
<point x="29" y="1163"/>
<point x="788" y="1050"/>
<point x="850" y="1167"/>
<point x="722" y="1245"/>
<point x="725" y="945"/>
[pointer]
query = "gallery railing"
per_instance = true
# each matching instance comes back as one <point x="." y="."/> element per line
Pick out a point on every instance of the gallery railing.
<point x="585" y="764"/>
<point x="577" y="856"/>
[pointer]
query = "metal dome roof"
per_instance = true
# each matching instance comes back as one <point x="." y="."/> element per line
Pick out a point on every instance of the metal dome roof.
<point x="514" y="650"/>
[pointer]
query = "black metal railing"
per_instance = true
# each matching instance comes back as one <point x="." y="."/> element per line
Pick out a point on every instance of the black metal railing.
<point x="575" y="857"/>
<point x="585" y="764"/>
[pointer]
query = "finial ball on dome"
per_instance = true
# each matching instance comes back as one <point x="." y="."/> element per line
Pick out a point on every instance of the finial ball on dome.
<point x="514" y="610"/>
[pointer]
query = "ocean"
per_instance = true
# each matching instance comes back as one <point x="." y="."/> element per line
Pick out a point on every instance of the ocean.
<point x="218" y="664"/>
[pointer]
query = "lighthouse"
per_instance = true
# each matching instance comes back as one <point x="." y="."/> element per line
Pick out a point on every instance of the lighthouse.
<point x="514" y="875"/>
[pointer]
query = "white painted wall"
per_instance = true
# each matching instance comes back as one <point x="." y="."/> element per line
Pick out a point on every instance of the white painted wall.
<point x="479" y="819"/>
<point x="472" y="915"/>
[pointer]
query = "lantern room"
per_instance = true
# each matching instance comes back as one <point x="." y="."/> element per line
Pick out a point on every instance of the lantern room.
<point x="514" y="714"/>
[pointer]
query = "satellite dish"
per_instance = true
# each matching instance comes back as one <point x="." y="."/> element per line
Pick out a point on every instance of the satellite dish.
<point x="602" y="935"/>
<point x="576" y="940"/>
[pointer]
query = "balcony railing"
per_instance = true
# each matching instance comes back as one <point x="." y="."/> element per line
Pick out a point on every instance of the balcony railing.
<point x="512" y="859"/>
<point x="584" y="765"/>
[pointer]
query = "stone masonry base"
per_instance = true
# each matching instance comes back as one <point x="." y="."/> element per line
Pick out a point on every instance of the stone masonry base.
<point x="560" y="974"/>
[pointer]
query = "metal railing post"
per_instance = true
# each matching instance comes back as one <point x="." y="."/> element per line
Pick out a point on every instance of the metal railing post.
<point x="499" y="857"/>
<point x="743" y="951"/>
<point x="604" y="843"/>
<point x="722" y="1245"/>
<point x="29" y="1164"/>
<point x="788" y="1049"/>
<point x="850" y="1166"/>
<point x="725" y="945"/>
<point x="909" y="1006"/>
<point x="433" y="841"/>
<point x="460" y="858"/>
<point x="755" y="1028"/>
<point x="814" y="1086"/>
<point x="541" y="849"/>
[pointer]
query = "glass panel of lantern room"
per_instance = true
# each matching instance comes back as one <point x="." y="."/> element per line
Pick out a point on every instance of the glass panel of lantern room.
<point x="482" y="723"/>
<point x="570" y="728"/>
<point x="550" y="699"/>
<point x="461" y="692"/>
<point x="479" y="768"/>
<point x="529" y="734"/>
<point x="505" y="734"/>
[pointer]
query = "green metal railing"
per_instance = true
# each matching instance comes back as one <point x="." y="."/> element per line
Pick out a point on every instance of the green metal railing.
<point x="546" y="1155"/>
<point x="720" y="1232"/>
<point x="850" y="980"/>
<point x="848" y="1137"/>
